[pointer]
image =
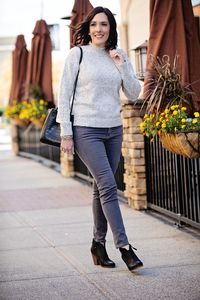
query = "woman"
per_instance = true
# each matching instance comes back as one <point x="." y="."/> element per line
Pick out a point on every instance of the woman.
<point x="97" y="129"/>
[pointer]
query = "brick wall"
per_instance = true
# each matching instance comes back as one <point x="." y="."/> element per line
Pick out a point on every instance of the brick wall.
<point x="134" y="158"/>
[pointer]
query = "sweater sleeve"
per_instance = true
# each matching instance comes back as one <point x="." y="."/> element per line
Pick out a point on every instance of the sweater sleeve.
<point x="130" y="84"/>
<point x="65" y="91"/>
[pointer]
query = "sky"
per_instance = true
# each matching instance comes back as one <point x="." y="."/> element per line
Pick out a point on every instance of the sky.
<point x="19" y="16"/>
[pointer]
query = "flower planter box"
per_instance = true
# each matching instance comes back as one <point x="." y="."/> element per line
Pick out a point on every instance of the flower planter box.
<point x="38" y="123"/>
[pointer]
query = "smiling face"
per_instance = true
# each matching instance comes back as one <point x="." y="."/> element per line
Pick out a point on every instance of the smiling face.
<point x="99" y="30"/>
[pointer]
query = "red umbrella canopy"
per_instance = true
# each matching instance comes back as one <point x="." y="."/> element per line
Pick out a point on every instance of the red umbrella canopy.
<point x="39" y="72"/>
<point x="172" y="31"/>
<point x="80" y="10"/>
<point x="19" y="67"/>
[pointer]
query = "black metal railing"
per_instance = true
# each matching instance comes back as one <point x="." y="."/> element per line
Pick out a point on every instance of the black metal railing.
<point x="29" y="143"/>
<point x="173" y="183"/>
<point x="82" y="171"/>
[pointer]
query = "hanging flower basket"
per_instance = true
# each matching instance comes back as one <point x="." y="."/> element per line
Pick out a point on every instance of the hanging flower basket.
<point x="182" y="143"/>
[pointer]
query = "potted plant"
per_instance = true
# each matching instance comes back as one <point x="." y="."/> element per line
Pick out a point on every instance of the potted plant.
<point x="14" y="113"/>
<point x="38" y="112"/>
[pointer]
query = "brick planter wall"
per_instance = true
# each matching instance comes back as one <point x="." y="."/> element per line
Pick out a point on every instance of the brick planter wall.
<point x="14" y="139"/>
<point x="134" y="158"/>
<point x="67" y="165"/>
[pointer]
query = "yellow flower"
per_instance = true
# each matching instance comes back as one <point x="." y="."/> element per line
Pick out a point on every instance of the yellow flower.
<point x="166" y="111"/>
<point x="142" y="126"/>
<point x="183" y="120"/>
<point x="173" y="107"/>
<point x="157" y="124"/>
<point x="196" y="114"/>
<point x="183" y="126"/>
<point x="145" y="116"/>
<point x="194" y="121"/>
<point x="152" y="116"/>
<point x="183" y="108"/>
<point x="175" y="112"/>
<point x="163" y="125"/>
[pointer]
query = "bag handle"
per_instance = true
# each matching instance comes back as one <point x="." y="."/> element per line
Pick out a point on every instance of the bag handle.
<point x="75" y="83"/>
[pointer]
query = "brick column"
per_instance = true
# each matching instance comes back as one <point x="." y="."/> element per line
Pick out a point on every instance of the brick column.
<point x="133" y="153"/>
<point x="14" y="139"/>
<point x="67" y="165"/>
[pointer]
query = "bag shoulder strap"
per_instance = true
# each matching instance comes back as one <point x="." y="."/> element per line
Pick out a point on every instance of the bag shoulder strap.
<point x="75" y="83"/>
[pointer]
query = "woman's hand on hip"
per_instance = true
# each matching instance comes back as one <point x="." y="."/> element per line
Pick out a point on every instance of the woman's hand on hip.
<point x="117" y="57"/>
<point x="67" y="145"/>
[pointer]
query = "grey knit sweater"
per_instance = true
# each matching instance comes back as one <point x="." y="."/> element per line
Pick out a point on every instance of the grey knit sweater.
<point x="97" y="102"/>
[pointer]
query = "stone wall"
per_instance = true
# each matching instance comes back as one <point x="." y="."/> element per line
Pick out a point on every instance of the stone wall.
<point x="14" y="139"/>
<point x="67" y="165"/>
<point x="134" y="157"/>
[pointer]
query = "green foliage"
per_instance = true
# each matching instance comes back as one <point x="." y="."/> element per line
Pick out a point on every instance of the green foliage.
<point x="171" y="120"/>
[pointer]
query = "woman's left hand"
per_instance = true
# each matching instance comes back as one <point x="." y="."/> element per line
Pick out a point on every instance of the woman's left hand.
<point x="116" y="56"/>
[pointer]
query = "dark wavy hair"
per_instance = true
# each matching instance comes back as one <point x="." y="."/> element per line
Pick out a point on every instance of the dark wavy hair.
<point x="82" y="37"/>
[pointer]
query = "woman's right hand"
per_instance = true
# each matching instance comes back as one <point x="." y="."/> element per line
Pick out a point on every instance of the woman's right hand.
<point x="67" y="145"/>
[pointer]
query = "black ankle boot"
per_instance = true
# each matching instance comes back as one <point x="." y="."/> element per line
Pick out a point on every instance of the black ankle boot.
<point x="100" y="256"/>
<point x="130" y="258"/>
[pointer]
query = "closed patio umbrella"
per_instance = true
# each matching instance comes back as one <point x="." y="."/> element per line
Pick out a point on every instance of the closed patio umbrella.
<point x="80" y="10"/>
<point x="172" y="31"/>
<point x="39" y="70"/>
<point x="19" y="67"/>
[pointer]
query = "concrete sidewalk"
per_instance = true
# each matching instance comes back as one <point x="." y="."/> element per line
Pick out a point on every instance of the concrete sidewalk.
<point x="45" y="237"/>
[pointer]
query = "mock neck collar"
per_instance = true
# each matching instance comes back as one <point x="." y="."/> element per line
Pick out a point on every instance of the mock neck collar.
<point x="96" y="47"/>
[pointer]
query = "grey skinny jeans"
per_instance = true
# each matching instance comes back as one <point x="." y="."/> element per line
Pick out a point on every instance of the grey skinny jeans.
<point x="100" y="149"/>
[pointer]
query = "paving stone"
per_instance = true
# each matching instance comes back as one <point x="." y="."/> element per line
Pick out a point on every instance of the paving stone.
<point x="180" y="283"/>
<point x="68" y="234"/>
<point x="19" y="238"/>
<point x="60" y="288"/>
<point x="23" y="264"/>
<point x="44" y="198"/>
<point x="10" y="220"/>
<point x="34" y="175"/>
<point x="70" y="215"/>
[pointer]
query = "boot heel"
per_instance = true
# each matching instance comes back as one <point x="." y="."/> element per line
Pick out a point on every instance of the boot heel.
<point x="100" y="256"/>
<point x="95" y="259"/>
